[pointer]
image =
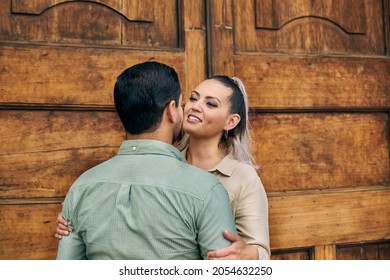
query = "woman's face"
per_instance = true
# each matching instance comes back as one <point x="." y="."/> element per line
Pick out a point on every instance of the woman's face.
<point x="207" y="111"/>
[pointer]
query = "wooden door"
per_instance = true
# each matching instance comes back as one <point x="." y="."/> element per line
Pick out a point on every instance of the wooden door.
<point x="316" y="71"/>
<point x="317" y="74"/>
<point x="58" y="64"/>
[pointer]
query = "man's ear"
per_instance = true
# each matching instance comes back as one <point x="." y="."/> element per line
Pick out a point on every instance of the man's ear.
<point x="171" y="110"/>
<point x="232" y="121"/>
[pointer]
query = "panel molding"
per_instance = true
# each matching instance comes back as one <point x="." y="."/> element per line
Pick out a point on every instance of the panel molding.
<point x="293" y="254"/>
<point x="309" y="27"/>
<point x="137" y="12"/>
<point x="139" y="24"/>
<point x="274" y="14"/>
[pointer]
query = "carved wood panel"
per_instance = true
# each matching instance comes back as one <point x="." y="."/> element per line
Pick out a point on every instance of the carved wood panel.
<point x="131" y="23"/>
<point x="303" y="26"/>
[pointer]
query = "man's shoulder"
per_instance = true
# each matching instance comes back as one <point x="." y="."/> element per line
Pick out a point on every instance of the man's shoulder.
<point x="198" y="174"/>
<point x="198" y="181"/>
<point x="102" y="168"/>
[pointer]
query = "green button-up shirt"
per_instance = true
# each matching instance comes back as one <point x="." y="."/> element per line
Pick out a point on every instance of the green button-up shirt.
<point x="145" y="203"/>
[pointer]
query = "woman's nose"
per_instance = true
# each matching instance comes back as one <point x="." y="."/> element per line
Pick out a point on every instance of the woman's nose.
<point x="196" y="106"/>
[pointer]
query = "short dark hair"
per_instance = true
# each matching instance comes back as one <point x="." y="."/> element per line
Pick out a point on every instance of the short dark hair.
<point x="141" y="94"/>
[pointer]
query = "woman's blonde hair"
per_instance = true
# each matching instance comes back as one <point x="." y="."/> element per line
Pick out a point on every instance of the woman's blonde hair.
<point x="237" y="141"/>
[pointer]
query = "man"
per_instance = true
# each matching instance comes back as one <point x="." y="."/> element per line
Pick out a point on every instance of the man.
<point x="146" y="202"/>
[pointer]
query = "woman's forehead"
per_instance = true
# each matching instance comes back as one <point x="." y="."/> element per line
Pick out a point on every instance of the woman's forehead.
<point x="213" y="87"/>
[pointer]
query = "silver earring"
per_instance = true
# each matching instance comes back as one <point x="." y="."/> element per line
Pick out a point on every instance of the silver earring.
<point x="226" y="134"/>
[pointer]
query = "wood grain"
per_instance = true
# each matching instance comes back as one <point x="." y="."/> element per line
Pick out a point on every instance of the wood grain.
<point x="327" y="83"/>
<point x="69" y="75"/>
<point x="299" y="151"/>
<point x="43" y="152"/>
<point x="152" y="24"/>
<point x="304" y="219"/>
<point x="195" y="45"/>
<point x="325" y="252"/>
<point x="310" y="27"/>
<point x="28" y="231"/>
<point x="370" y="251"/>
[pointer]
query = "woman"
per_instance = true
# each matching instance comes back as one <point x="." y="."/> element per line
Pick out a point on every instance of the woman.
<point x="217" y="139"/>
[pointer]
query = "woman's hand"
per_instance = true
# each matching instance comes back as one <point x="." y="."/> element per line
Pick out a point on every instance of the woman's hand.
<point x="238" y="250"/>
<point x="62" y="227"/>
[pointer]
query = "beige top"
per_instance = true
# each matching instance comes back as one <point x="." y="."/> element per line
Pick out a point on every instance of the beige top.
<point x="248" y="200"/>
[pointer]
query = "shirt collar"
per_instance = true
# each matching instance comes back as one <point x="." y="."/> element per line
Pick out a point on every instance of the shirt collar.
<point x="225" y="166"/>
<point x="148" y="147"/>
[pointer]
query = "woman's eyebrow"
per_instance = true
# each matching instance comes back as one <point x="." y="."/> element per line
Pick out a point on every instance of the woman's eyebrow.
<point x="197" y="93"/>
<point x="207" y="97"/>
<point x="213" y="97"/>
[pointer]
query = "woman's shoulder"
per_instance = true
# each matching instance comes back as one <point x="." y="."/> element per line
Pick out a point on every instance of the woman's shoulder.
<point x="240" y="169"/>
<point x="244" y="181"/>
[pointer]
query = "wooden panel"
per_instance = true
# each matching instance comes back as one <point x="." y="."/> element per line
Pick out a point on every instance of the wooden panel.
<point x="165" y="32"/>
<point x="131" y="9"/>
<point x="69" y="75"/>
<point x="28" y="231"/>
<point x="302" y="219"/>
<point x="297" y="254"/>
<point x="281" y="82"/>
<point x="195" y="44"/>
<point x="317" y="78"/>
<point x="154" y="24"/>
<point x="325" y="252"/>
<point x="321" y="150"/>
<point x="221" y="41"/>
<point x="43" y="152"/>
<point x="384" y="251"/>
<point x="386" y="21"/>
<point x="335" y="26"/>
<point x="348" y="15"/>
<point x="375" y="251"/>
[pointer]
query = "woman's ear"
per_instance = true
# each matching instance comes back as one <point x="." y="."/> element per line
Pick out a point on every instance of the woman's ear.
<point x="232" y="121"/>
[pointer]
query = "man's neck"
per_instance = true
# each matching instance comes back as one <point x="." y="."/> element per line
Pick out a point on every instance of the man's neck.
<point x="155" y="135"/>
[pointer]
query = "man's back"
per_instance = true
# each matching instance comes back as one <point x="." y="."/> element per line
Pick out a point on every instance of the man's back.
<point x="145" y="203"/>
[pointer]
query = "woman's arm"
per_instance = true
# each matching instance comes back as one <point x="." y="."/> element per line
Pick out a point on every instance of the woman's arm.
<point x="250" y="207"/>
<point x="251" y="217"/>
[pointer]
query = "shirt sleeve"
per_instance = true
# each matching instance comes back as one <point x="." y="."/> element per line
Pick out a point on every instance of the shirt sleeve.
<point x="215" y="217"/>
<point x="251" y="217"/>
<point x="71" y="247"/>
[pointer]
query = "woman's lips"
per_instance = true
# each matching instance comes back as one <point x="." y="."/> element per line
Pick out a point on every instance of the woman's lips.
<point x="193" y="118"/>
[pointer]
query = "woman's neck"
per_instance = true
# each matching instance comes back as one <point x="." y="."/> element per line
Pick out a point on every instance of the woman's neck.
<point x="204" y="154"/>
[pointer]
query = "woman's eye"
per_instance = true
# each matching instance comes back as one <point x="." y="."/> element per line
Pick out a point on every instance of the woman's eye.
<point x="192" y="98"/>
<point x="212" y="104"/>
